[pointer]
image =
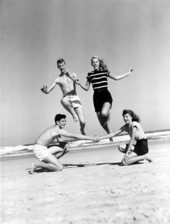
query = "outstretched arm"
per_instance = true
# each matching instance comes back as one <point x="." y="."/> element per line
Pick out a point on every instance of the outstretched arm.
<point x="118" y="77"/>
<point x="78" y="136"/>
<point x="111" y="135"/>
<point x="47" y="89"/>
<point x="86" y="87"/>
<point x="72" y="76"/>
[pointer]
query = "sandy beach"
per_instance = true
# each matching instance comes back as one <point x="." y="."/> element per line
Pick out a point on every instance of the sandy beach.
<point x="93" y="188"/>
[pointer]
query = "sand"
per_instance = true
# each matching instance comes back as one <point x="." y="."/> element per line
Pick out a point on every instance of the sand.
<point x="93" y="188"/>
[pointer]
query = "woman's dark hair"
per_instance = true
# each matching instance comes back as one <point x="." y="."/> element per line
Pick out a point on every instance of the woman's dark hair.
<point x="60" y="60"/>
<point x="134" y="116"/>
<point x="58" y="117"/>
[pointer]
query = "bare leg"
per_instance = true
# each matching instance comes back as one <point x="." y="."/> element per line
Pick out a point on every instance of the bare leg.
<point x="69" y="108"/>
<point x="80" y="114"/>
<point x="58" y="151"/>
<point x="49" y="163"/>
<point x="104" y="118"/>
<point x="103" y="122"/>
<point x="55" y="149"/>
<point x="33" y="167"/>
<point x="134" y="158"/>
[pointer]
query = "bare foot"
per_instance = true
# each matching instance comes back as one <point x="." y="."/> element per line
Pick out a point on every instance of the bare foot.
<point x="33" y="167"/>
<point x="149" y="159"/>
<point x="143" y="161"/>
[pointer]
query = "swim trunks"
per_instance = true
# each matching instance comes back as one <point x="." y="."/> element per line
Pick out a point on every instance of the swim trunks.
<point x="40" y="152"/>
<point x="100" y="97"/>
<point x="74" y="100"/>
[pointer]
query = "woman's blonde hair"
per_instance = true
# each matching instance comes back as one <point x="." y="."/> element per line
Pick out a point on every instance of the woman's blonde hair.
<point x="102" y="65"/>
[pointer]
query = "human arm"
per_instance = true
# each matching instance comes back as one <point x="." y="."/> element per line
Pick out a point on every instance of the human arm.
<point x="111" y="135"/>
<point x="131" y="142"/>
<point x="47" y="89"/>
<point x="86" y="87"/>
<point x="72" y="76"/>
<point x="78" y="136"/>
<point x="118" y="77"/>
<point x="75" y="80"/>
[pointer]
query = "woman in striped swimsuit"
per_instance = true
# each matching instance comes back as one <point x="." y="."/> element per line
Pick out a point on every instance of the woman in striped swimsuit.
<point x="102" y="98"/>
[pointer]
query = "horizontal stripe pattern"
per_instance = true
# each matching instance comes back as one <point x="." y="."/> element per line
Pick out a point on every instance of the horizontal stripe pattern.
<point x="98" y="79"/>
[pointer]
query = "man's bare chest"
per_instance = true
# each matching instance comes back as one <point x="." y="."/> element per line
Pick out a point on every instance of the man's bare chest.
<point x="64" y="81"/>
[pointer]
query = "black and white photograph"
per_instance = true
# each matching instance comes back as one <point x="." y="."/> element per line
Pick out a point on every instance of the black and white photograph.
<point x="85" y="111"/>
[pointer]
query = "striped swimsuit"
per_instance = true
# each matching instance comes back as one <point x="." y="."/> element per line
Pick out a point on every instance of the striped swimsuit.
<point x="100" y="83"/>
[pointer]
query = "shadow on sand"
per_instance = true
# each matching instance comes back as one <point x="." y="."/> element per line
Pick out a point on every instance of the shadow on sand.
<point x="75" y="165"/>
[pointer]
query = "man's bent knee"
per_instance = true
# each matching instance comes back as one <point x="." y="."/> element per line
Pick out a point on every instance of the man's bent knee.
<point x="59" y="168"/>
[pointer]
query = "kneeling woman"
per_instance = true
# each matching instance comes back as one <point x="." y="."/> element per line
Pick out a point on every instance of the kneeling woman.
<point x="137" y="148"/>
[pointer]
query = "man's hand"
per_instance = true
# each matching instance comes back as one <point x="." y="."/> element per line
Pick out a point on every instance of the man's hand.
<point x="77" y="82"/>
<point x="74" y="77"/>
<point x="96" y="139"/>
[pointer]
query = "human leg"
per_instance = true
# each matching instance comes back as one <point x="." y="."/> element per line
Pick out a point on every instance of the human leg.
<point x="58" y="151"/>
<point x="134" y="158"/>
<point x="104" y="123"/>
<point x="49" y="163"/>
<point x="80" y="114"/>
<point x="102" y="101"/>
<point x="104" y="117"/>
<point x="65" y="150"/>
<point x="66" y="104"/>
<point x="47" y="160"/>
<point x="105" y="111"/>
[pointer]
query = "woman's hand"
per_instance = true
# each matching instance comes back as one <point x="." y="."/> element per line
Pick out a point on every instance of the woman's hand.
<point x="44" y="89"/>
<point x="77" y="82"/>
<point x="130" y="71"/>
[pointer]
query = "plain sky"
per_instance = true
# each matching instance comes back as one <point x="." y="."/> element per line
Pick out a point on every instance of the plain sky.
<point x="125" y="33"/>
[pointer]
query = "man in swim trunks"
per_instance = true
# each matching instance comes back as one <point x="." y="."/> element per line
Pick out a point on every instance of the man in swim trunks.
<point x="70" y="100"/>
<point x="46" y="155"/>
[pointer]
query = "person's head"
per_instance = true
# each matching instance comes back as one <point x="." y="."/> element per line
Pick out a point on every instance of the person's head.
<point x="61" y="64"/>
<point x="60" y="120"/>
<point x="98" y="64"/>
<point x="129" y="116"/>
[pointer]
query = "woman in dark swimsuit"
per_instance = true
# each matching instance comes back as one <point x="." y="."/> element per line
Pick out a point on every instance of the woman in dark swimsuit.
<point x="102" y="98"/>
